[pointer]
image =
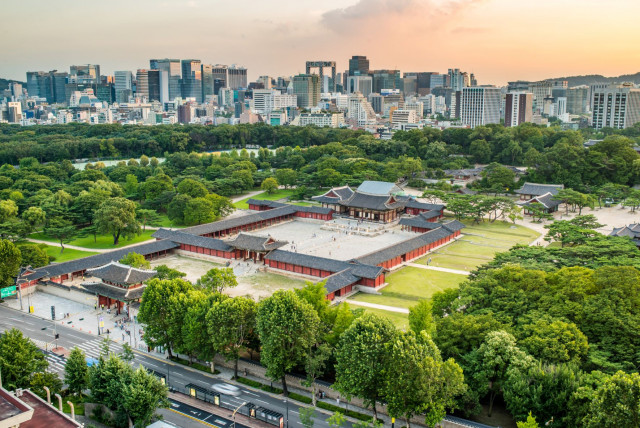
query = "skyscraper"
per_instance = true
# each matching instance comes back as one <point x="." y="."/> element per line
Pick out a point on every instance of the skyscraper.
<point x="153" y="80"/>
<point x="578" y="99"/>
<point x="362" y="84"/>
<point x="386" y="79"/>
<point x="479" y="105"/>
<point x="172" y="67"/>
<point x="86" y="73"/>
<point x="518" y="108"/>
<point x="123" y="85"/>
<point x="192" y="79"/>
<point x="234" y="77"/>
<point x="142" y="83"/>
<point x="208" y="81"/>
<point x="306" y="87"/>
<point x="358" y="64"/>
<point x="617" y="106"/>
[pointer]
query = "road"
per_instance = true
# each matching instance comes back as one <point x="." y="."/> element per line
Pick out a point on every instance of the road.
<point x="178" y="376"/>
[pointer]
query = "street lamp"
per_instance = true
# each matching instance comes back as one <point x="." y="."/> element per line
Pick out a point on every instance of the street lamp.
<point x="286" y="404"/>
<point x="233" y="416"/>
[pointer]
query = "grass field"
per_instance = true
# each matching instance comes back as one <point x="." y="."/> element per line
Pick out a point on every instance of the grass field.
<point x="102" y="241"/>
<point x="67" y="255"/>
<point x="479" y="245"/>
<point x="410" y="284"/>
<point x="399" y="320"/>
<point x="280" y="194"/>
<point x="165" y="222"/>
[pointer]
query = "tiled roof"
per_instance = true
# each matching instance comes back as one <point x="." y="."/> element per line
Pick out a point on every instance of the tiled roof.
<point x="265" y="203"/>
<point x="217" y="226"/>
<point x="631" y="231"/>
<point x="114" y="292"/>
<point x="404" y="247"/>
<point x="339" y="280"/>
<point x="412" y="203"/>
<point x="57" y="269"/>
<point x="341" y="193"/>
<point x="430" y="214"/>
<point x="547" y="200"/>
<point x="418" y="221"/>
<point x="245" y="241"/>
<point x="121" y="274"/>
<point x="373" y="202"/>
<point x="180" y="237"/>
<point x="453" y="225"/>
<point x="378" y="188"/>
<point x="322" y="263"/>
<point x="539" y="189"/>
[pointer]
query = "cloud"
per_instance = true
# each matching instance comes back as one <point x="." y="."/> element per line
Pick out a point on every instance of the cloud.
<point x="470" y="30"/>
<point x="369" y="15"/>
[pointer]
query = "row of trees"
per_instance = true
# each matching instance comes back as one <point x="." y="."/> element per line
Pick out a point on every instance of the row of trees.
<point x="297" y="331"/>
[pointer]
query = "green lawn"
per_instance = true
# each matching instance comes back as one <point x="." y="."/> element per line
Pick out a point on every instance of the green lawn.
<point x="102" y="241"/>
<point x="67" y="255"/>
<point x="480" y="243"/>
<point x="280" y="194"/>
<point x="399" y="320"/>
<point x="410" y="284"/>
<point x="165" y="222"/>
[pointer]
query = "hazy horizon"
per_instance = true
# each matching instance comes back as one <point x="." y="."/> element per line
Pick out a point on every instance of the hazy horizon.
<point x="498" y="40"/>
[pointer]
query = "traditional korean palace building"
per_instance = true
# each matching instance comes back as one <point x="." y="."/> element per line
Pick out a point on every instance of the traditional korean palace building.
<point x="374" y="201"/>
<point x="117" y="284"/>
<point x="232" y="239"/>
<point x="531" y="190"/>
<point x="632" y="232"/>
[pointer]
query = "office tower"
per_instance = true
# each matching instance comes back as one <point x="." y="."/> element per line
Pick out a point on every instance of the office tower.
<point x="321" y="65"/>
<point x="32" y="83"/>
<point x="360" y="112"/>
<point x="15" y="89"/>
<point x="386" y="79"/>
<point x="415" y="105"/>
<point x="358" y="64"/>
<point x="540" y="90"/>
<point x="518" y="108"/>
<point x="376" y="101"/>
<point x="560" y="107"/>
<point x="172" y="67"/>
<point x="123" y="85"/>
<point x="192" y="79"/>
<point x="617" y="106"/>
<point x="362" y="84"/>
<point x="410" y="85"/>
<point x="15" y="112"/>
<point x="59" y="80"/>
<point x="225" y="97"/>
<point x="153" y="82"/>
<point x="306" y="87"/>
<point x="185" y="113"/>
<point x="234" y="77"/>
<point x="208" y="89"/>
<point x="142" y="83"/>
<point x="480" y="105"/>
<point x="519" y="86"/>
<point x="593" y="88"/>
<point x="438" y="81"/>
<point x="105" y="92"/>
<point x="578" y="99"/>
<point x="456" y="79"/>
<point x="266" y="81"/>
<point x="217" y="85"/>
<point x="86" y="73"/>
<point x="423" y="81"/>
<point x="472" y="80"/>
<point x="559" y="88"/>
<point x="397" y="117"/>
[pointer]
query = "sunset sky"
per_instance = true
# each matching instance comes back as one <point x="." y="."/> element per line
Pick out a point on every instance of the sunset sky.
<point x="498" y="40"/>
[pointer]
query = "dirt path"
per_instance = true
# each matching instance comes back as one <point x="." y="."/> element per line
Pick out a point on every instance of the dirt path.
<point x="246" y="195"/>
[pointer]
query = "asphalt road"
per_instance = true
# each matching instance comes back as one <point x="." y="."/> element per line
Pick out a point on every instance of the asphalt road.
<point x="177" y="376"/>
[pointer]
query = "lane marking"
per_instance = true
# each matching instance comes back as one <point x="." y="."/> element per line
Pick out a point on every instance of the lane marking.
<point x="197" y="420"/>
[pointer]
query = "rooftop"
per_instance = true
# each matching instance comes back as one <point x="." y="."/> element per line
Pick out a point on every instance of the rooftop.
<point x="378" y="188"/>
<point x="25" y="409"/>
<point x="121" y="274"/>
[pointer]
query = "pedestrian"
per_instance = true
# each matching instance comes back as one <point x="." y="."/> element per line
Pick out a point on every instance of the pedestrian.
<point x="123" y="337"/>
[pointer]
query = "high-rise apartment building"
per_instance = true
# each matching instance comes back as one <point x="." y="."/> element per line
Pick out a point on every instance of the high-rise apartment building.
<point x="518" y="108"/>
<point x="360" y="112"/>
<point x="123" y="85"/>
<point x="617" y="106"/>
<point x="234" y="77"/>
<point x="480" y="105"/>
<point x="358" y="64"/>
<point x="192" y="79"/>
<point x="266" y="100"/>
<point x="15" y="112"/>
<point x="306" y="87"/>
<point x="172" y="67"/>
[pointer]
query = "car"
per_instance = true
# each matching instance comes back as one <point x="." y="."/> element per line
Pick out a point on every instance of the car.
<point x="226" y="389"/>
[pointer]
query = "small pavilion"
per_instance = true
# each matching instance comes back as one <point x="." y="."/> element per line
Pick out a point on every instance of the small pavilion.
<point x="118" y="284"/>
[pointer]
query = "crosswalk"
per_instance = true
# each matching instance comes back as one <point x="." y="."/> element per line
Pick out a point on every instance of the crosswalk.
<point x="91" y="348"/>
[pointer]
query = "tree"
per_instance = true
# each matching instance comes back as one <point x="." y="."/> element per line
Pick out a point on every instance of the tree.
<point x="33" y="217"/>
<point x="287" y="327"/>
<point x="143" y="396"/>
<point x="8" y="209"/>
<point x="50" y="380"/>
<point x="221" y="206"/>
<point x="418" y="381"/>
<point x="177" y="207"/>
<point x="156" y="308"/>
<point x="196" y="340"/>
<point x="314" y="367"/>
<point x="217" y="280"/>
<point x="529" y="423"/>
<point x="336" y="420"/>
<point x="150" y="217"/>
<point x="362" y="358"/>
<point x="572" y="232"/>
<point x="193" y="188"/>
<point x="306" y="416"/>
<point x="270" y="185"/>
<point x="117" y="216"/>
<point x="616" y="402"/>
<point x="33" y="255"/>
<point x="135" y="260"/>
<point x="76" y="373"/>
<point x="165" y="272"/>
<point x="286" y="176"/>
<point x="198" y="211"/>
<point x="20" y="358"/>
<point x="231" y="323"/>
<point x="61" y="229"/>
<point x="11" y="261"/>
<point x="127" y="353"/>
<point x="554" y="342"/>
<point x="421" y="318"/>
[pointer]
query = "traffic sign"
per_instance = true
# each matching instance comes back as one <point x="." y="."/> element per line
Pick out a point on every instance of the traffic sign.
<point x="7" y="291"/>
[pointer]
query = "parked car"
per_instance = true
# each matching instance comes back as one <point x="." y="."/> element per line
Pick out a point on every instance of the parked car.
<point x="609" y="202"/>
<point x="226" y="389"/>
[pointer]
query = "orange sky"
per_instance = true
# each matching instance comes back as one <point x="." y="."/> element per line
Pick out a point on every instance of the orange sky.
<point x="498" y="40"/>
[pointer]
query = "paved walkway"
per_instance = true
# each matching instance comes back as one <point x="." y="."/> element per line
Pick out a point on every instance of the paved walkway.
<point x="246" y="195"/>
<point x="376" y="306"/>
<point x="441" y="269"/>
<point x="93" y="250"/>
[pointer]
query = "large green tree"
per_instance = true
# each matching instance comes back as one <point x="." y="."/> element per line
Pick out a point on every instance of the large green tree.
<point x="20" y="359"/>
<point x="217" y="280"/>
<point x="61" y="229"/>
<point x="76" y="373"/>
<point x="616" y="403"/>
<point x="362" y="359"/>
<point x="11" y="260"/>
<point x="117" y="217"/>
<point x="287" y="327"/>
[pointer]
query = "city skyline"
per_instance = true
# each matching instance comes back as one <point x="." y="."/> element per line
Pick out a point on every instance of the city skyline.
<point x="483" y="37"/>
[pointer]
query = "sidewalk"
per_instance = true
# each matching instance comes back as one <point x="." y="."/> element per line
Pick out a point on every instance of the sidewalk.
<point x="377" y="306"/>
<point x="441" y="269"/>
<point x="92" y="250"/>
